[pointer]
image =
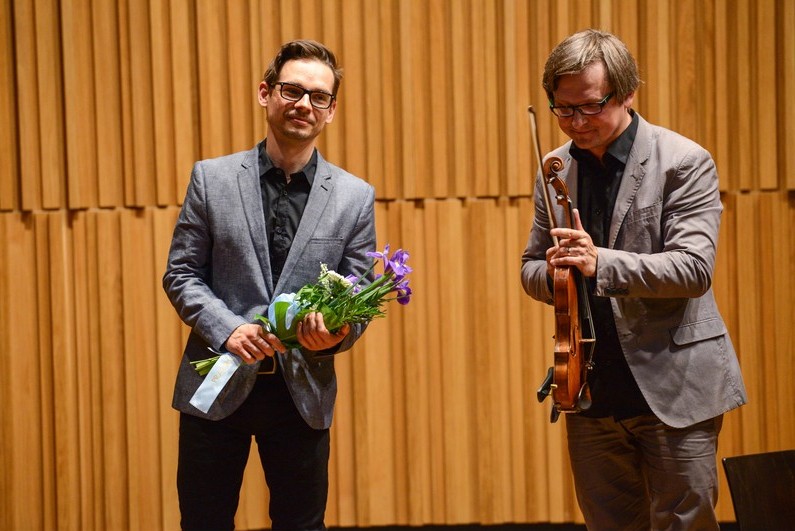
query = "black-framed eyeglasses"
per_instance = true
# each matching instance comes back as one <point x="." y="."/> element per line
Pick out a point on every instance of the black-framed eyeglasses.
<point x="291" y="92"/>
<point x="586" y="109"/>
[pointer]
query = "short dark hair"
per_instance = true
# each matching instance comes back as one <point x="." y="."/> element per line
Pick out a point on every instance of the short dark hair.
<point x="303" y="49"/>
<point x="579" y="51"/>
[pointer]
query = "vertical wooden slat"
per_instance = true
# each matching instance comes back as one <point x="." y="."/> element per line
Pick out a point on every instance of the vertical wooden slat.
<point x="6" y="433"/>
<point x="763" y="90"/>
<point x="211" y="35"/>
<point x="462" y="100"/>
<point x="60" y="353"/>
<point x="88" y="334"/>
<point x="108" y="107"/>
<point x="264" y="44"/>
<point x="9" y="135"/>
<point x="139" y="357"/>
<point x="388" y="183"/>
<point x="162" y="104"/>
<point x="375" y="372"/>
<point x="80" y="117"/>
<point x="519" y="390"/>
<point x="242" y="92"/>
<point x="429" y="289"/>
<point x="333" y="139"/>
<point x="418" y="402"/>
<point x="656" y="62"/>
<point x="749" y="329"/>
<point x="51" y="121"/>
<point x="785" y="292"/>
<point x="88" y="376"/>
<point x="742" y="93"/>
<point x="51" y="466"/>
<point x="23" y="446"/>
<point x="721" y="150"/>
<point x="417" y="78"/>
<point x="459" y="379"/>
<point x="141" y="182"/>
<point x="30" y="162"/>
<point x="516" y="50"/>
<point x="486" y="91"/>
<point x="684" y="85"/>
<point x="113" y="404"/>
<point x="705" y="76"/>
<point x="358" y="131"/>
<point x="185" y="90"/>
<point x="785" y="54"/>
<point x="442" y="81"/>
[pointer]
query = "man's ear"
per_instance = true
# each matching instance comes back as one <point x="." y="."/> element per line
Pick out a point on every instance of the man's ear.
<point x="263" y="93"/>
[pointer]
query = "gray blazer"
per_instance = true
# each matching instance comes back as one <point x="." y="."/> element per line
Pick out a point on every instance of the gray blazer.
<point x="657" y="271"/>
<point x="218" y="275"/>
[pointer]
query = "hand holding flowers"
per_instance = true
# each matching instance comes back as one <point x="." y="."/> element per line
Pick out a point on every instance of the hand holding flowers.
<point x="340" y="300"/>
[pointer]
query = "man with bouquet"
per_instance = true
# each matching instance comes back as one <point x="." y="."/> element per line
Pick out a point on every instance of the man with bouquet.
<point x="254" y="225"/>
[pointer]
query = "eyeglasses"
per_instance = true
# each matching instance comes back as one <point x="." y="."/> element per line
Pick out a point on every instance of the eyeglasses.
<point x="292" y="92"/>
<point x="586" y="109"/>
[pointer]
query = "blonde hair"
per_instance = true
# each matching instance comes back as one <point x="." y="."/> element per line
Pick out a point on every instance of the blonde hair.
<point x="579" y="51"/>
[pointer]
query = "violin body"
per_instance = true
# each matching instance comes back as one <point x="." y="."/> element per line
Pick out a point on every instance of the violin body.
<point x="567" y="380"/>
<point x="567" y="366"/>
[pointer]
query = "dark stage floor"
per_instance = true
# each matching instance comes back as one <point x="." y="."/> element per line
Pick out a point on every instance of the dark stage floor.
<point x="726" y="526"/>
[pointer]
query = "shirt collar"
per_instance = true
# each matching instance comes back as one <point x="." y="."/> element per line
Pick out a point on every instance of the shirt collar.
<point x="308" y="171"/>
<point x="619" y="149"/>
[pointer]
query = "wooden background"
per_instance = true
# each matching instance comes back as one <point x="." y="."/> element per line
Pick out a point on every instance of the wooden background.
<point x="104" y="106"/>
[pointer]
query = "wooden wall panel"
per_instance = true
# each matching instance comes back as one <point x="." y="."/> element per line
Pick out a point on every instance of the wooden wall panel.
<point x="79" y="111"/>
<point x="185" y="92"/>
<point x="9" y="137"/>
<point x="785" y="66"/>
<point x="104" y="107"/>
<point x="109" y="171"/>
<point x="27" y="106"/>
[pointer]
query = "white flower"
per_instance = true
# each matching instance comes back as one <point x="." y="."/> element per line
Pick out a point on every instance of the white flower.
<point x="328" y="276"/>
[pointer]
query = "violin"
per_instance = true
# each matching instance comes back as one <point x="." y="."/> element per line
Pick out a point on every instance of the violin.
<point x="575" y="339"/>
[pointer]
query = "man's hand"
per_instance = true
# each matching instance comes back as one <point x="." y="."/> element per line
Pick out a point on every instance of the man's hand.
<point x="575" y="248"/>
<point x="313" y="334"/>
<point x="251" y="343"/>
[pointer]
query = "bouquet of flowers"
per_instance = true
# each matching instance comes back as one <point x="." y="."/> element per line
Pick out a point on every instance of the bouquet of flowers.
<point x="341" y="300"/>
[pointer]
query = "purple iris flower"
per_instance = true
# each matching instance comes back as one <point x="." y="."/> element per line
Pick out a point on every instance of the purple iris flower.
<point x="404" y="292"/>
<point x="397" y="265"/>
<point x="353" y="279"/>
<point x="381" y="256"/>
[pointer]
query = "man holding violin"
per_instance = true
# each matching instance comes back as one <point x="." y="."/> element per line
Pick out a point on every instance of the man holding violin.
<point x="644" y="237"/>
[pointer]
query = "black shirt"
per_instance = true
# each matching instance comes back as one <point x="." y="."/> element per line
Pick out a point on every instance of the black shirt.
<point x="283" y="204"/>
<point x="613" y="388"/>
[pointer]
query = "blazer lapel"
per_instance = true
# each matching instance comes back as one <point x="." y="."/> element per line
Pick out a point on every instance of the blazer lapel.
<point x="634" y="172"/>
<point x="251" y="199"/>
<point x="319" y="196"/>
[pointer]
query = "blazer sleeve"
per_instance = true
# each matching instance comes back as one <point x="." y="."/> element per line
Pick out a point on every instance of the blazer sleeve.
<point x="667" y="241"/>
<point x="187" y="279"/>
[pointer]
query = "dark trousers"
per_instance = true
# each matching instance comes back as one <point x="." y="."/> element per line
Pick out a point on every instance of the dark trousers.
<point x="639" y="474"/>
<point x="213" y="455"/>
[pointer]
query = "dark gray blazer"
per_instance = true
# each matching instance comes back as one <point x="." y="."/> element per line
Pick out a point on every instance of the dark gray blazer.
<point x="657" y="271"/>
<point x="218" y="275"/>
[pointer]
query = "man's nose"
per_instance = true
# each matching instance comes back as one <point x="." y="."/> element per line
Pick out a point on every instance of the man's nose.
<point x="578" y="118"/>
<point x="304" y="101"/>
